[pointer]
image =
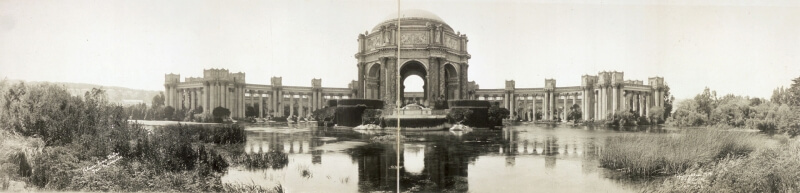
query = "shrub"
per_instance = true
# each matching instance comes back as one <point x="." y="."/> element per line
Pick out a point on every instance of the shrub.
<point x="324" y="114"/>
<point x="169" y="112"/>
<point x="220" y="113"/>
<point x="54" y="168"/>
<point x="496" y="115"/>
<point x="371" y="116"/>
<point x="459" y="115"/>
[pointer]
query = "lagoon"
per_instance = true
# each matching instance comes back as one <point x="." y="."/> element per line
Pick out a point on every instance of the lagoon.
<point x="519" y="158"/>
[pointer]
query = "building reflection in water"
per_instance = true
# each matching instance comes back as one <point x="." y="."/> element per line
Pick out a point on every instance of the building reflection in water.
<point x="439" y="162"/>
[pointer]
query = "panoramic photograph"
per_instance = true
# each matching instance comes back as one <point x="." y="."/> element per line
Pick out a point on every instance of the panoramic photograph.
<point x="399" y="96"/>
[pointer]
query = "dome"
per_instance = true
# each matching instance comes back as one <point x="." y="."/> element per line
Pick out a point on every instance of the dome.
<point x="414" y="14"/>
<point x="413" y="18"/>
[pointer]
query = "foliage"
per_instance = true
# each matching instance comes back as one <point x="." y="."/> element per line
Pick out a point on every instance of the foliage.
<point x="75" y="132"/>
<point x="54" y="168"/>
<point x="574" y="113"/>
<point x="158" y="100"/>
<point x="775" y="169"/>
<point x="220" y="113"/>
<point x="262" y="160"/>
<point x="623" y="118"/>
<point x="371" y="116"/>
<point x="459" y="115"/>
<point x="324" y="114"/>
<point x="654" y="155"/>
<point x="169" y="112"/>
<point x="656" y="115"/>
<point x="496" y="115"/>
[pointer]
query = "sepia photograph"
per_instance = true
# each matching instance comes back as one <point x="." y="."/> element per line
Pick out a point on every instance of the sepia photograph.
<point x="479" y="96"/>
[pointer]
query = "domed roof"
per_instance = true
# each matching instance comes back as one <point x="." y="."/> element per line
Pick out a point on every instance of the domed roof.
<point x="414" y="14"/>
<point x="413" y="18"/>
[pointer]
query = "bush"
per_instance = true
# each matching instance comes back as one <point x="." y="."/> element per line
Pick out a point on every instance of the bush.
<point x="324" y="114"/>
<point x="496" y="115"/>
<point x="371" y="116"/>
<point x="220" y="113"/>
<point x="169" y="112"/>
<point x="54" y="168"/>
<point x="459" y="115"/>
<point x="622" y="118"/>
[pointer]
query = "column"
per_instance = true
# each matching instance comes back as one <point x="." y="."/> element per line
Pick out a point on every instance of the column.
<point x="193" y="100"/>
<point x="235" y="101"/>
<point x="544" y="106"/>
<point x="280" y="103"/>
<point x="512" y="101"/>
<point x="313" y="100"/>
<point x="505" y="100"/>
<point x="614" y="99"/>
<point x="273" y="104"/>
<point x="564" y="111"/>
<point x="300" y="106"/>
<point x="596" y="110"/>
<point x="533" y="108"/>
<point x="260" y="106"/>
<point x="647" y="106"/>
<point x="291" y="104"/>
<point x="551" y="106"/>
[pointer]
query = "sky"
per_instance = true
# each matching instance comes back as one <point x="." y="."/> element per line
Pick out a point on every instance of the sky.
<point x="733" y="47"/>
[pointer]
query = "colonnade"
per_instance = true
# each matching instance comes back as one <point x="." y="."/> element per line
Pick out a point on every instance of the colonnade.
<point x="304" y="102"/>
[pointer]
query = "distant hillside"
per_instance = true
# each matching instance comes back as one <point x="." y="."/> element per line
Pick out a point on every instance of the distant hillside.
<point x="115" y="94"/>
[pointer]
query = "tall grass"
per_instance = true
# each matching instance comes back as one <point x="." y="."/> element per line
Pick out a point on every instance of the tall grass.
<point x="654" y="155"/>
<point x="766" y="170"/>
<point x="250" y="188"/>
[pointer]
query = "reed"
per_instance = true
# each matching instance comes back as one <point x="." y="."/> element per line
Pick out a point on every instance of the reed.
<point x="655" y="155"/>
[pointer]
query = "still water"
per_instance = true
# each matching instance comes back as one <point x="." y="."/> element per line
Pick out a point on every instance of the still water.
<point x="519" y="158"/>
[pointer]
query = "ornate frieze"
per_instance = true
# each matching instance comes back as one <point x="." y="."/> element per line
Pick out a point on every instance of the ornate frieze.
<point x="414" y="38"/>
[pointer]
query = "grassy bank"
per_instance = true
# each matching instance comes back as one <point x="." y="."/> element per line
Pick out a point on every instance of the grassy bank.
<point x="774" y="169"/>
<point x="657" y="155"/>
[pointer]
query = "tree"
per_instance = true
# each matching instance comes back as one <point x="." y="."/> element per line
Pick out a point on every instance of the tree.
<point x="220" y="113"/>
<point x="169" y="111"/>
<point x="656" y="115"/>
<point x="575" y="113"/>
<point x="705" y="102"/>
<point x="496" y="115"/>
<point x="158" y="100"/>
<point x="793" y="93"/>
<point x="459" y="115"/>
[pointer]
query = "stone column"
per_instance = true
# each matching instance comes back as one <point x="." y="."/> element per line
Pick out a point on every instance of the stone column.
<point x="647" y="110"/>
<point x="280" y="103"/>
<point x="193" y="101"/>
<point x="300" y="105"/>
<point x="260" y="105"/>
<point x="273" y="102"/>
<point x="544" y="106"/>
<point x="512" y="101"/>
<point x="291" y="104"/>
<point x="505" y="100"/>
<point x="564" y="110"/>
<point x="240" y="101"/>
<point x="596" y="110"/>
<point x="614" y="99"/>
<point x="312" y="98"/>
<point x="533" y="108"/>
<point x="551" y="103"/>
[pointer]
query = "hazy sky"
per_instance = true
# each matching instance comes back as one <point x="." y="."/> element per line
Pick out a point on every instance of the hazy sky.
<point x="737" y="47"/>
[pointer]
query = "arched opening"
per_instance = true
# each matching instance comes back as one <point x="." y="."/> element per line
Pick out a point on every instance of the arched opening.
<point x="413" y="90"/>
<point x="413" y="68"/>
<point x="452" y="84"/>
<point x="373" y="82"/>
